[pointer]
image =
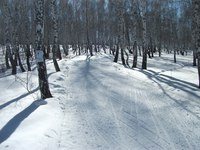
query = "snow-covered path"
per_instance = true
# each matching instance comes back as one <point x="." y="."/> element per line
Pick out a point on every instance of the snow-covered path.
<point x="101" y="105"/>
<point x="110" y="109"/>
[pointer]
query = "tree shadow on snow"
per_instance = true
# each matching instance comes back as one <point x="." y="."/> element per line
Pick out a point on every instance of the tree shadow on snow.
<point x="17" y="99"/>
<point x="177" y="84"/>
<point x="182" y="62"/>
<point x="13" y="124"/>
<point x="22" y="96"/>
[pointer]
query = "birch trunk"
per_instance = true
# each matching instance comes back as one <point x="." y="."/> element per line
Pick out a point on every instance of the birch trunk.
<point x="196" y="32"/>
<point x="55" y="48"/>
<point x="144" y="36"/>
<point x="42" y="71"/>
<point x="135" y="54"/>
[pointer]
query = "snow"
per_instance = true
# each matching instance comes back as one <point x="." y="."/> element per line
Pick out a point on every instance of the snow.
<point x="101" y="105"/>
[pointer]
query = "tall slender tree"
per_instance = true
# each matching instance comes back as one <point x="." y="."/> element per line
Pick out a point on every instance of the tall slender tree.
<point x="144" y="34"/>
<point x="55" y="48"/>
<point x="120" y="30"/>
<point x="196" y="24"/>
<point x="16" y="36"/>
<point x="134" y="14"/>
<point x="42" y="71"/>
<point x="8" y="29"/>
<point x="89" y="45"/>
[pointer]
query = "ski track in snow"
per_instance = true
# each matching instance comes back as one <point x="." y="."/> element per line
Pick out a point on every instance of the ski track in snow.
<point x="117" y="118"/>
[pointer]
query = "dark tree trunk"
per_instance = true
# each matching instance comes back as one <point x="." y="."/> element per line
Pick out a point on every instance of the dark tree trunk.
<point x="144" y="34"/>
<point x="89" y="45"/>
<point x="144" y="59"/>
<point x="198" y="56"/>
<point x="140" y="52"/>
<point x="98" y="48"/>
<point x="20" y="64"/>
<point x="95" y="48"/>
<point x="152" y="51"/>
<point x="110" y="49"/>
<point x="196" y="35"/>
<point x="135" y="51"/>
<point x="48" y="51"/>
<point x="90" y="50"/>
<point x="16" y="33"/>
<point x="14" y="65"/>
<point x="122" y="57"/>
<point x="113" y="50"/>
<point x="55" y="49"/>
<point x="12" y="59"/>
<point x="152" y="54"/>
<point x="19" y="59"/>
<point x="194" y="58"/>
<point x="159" y="51"/>
<point x="104" y="48"/>
<point x="54" y="59"/>
<point x="7" y="35"/>
<point x="151" y="48"/>
<point x="28" y="55"/>
<point x="7" y="59"/>
<point x="116" y="54"/>
<point x="149" y="52"/>
<point x="66" y="50"/>
<point x="59" y="53"/>
<point x="45" y="51"/>
<point x="95" y="44"/>
<point x="135" y="55"/>
<point x="42" y="71"/>
<point x="79" y="49"/>
<point x="174" y="56"/>
<point x="43" y="81"/>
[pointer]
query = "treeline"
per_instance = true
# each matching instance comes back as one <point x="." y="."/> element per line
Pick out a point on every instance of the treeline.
<point x="124" y="26"/>
<point x="95" y="22"/>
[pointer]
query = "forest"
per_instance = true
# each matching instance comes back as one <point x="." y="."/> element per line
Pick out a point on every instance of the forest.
<point x="127" y="27"/>
<point x="99" y="74"/>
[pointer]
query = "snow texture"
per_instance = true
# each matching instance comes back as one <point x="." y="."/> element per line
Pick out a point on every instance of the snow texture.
<point x="100" y="105"/>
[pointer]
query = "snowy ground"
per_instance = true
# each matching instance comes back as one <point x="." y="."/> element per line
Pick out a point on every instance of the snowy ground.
<point x="101" y="105"/>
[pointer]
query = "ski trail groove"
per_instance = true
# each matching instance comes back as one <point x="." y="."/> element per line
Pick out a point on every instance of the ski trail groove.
<point x="110" y="117"/>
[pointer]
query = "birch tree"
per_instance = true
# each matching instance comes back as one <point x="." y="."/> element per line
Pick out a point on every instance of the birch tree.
<point x="89" y="46"/>
<point x="120" y="32"/>
<point x="134" y="14"/>
<point x="196" y="32"/>
<point x="8" y="31"/>
<point x="42" y="72"/>
<point x="16" y="33"/>
<point x="55" y="48"/>
<point x="144" y="33"/>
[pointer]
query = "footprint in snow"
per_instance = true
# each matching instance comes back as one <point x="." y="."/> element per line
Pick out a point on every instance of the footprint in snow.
<point x="60" y="79"/>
